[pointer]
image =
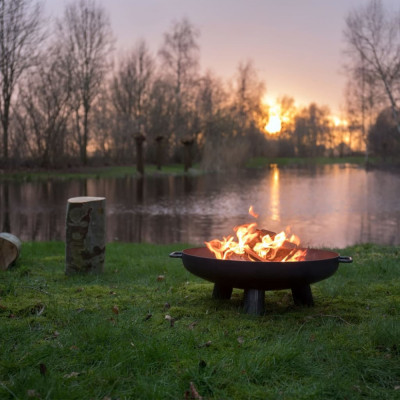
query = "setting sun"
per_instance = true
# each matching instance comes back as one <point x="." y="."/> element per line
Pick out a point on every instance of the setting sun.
<point x="274" y="124"/>
<point x="338" y="121"/>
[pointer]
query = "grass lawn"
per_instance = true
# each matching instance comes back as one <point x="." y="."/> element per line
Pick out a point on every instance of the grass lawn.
<point x="148" y="329"/>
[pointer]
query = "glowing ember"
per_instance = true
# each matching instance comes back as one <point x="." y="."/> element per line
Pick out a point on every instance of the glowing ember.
<point x="257" y="245"/>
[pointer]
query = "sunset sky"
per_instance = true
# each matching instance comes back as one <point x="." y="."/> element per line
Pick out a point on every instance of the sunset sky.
<point x="295" y="45"/>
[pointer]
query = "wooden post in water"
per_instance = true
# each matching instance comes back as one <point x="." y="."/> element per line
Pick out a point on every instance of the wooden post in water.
<point x="159" y="140"/>
<point x="85" y="235"/>
<point x="139" y="139"/>
<point x="187" y="152"/>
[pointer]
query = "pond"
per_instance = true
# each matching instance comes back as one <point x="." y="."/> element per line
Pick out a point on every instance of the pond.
<point x="328" y="206"/>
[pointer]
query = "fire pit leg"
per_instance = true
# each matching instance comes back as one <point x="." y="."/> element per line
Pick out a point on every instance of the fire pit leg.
<point x="253" y="302"/>
<point x="302" y="296"/>
<point x="222" y="292"/>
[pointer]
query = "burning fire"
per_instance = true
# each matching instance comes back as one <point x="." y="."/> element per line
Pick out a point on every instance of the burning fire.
<point x="255" y="244"/>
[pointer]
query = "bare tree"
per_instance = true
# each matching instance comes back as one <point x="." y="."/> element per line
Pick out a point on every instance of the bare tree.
<point x="383" y="137"/>
<point x="130" y="95"/>
<point x="43" y="110"/>
<point x="160" y="109"/>
<point x="180" y="61"/>
<point x="287" y="111"/>
<point x="104" y="127"/>
<point x="248" y="93"/>
<point x="20" y="37"/>
<point x="85" y="36"/>
<point x="285" y="139"/>
<point x="212" y="105"/>
<point x="363" y="99"/>
<point x="312" y="130"/>
<point x="373" y="38"/>
<point x="231" y="120"/>
<point x="160" y="119"/>
<point x="132" y="84"/>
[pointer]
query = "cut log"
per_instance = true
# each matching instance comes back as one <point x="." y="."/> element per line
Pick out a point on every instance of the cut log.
<point x="85" y="235"/>
<point x="10" y="247"/>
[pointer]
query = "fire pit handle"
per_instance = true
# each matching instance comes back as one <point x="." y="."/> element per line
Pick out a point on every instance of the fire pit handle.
<point x="345" y="259"/>
<point x="176" y="254"/>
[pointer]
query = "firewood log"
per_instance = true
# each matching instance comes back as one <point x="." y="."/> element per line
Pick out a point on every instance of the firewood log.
<point x="85" y="235"/>
<point x="10" y="247"/>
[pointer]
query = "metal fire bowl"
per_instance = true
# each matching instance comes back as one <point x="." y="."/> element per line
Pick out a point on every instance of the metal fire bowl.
<point x="319" y="265"/>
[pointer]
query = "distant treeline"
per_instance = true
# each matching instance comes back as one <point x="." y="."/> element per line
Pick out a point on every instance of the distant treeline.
<point x="66" y="99"/>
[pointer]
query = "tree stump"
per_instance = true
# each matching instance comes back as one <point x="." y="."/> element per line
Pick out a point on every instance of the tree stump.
<point x="85" y="235"/>
<point x="10" y="247"/>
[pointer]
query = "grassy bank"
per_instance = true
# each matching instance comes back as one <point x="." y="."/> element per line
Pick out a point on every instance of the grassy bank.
<point x="171" y="169"/>
<point x="262" y="162"/>
<point x="147" y="329"/>
<point x="91" y="173"/>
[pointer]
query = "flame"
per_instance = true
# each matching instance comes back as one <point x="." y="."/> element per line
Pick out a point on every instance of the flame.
<point x="252" y="213"/>
<point x="255" y="244"/>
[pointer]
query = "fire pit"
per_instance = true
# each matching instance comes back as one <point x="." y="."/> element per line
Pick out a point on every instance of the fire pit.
<point x="261" y="260"/>
<point x="255" y="277"/>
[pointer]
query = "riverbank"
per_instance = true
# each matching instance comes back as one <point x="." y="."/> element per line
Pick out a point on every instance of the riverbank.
<point x="30" y="175"/>
<point x="91" y="172"/>
<point x="294" y="162"/>
<point x="148" y="329"/>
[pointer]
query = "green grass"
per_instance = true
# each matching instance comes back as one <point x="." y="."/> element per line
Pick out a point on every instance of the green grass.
<point x="106" y="337"/>
<point x="93" y="172"/>
<point x="262" y="162"/>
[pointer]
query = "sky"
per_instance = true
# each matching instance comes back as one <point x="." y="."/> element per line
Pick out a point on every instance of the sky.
<point x="296" y="46"/>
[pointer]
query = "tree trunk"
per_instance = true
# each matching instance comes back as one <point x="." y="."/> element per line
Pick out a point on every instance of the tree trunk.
<point x="6" y="209"/>
<point x="139" y="153"/>
<point x="85" y="235"/>
<point x="5" y="147"/>
<point x="5" y="124"/>
<point x="187" y="153"/>
<point x="159" y="141"/>
<point x="85" y="134"/>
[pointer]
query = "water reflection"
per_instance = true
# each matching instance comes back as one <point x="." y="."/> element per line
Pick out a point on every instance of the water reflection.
<point x="331" y="206"/>
<point x="275" y="200"/>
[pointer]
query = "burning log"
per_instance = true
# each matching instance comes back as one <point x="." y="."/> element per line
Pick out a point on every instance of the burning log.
<point x="252" y="254"/>
<point x="257" y="245"/>
<point x="85" y="235"/>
